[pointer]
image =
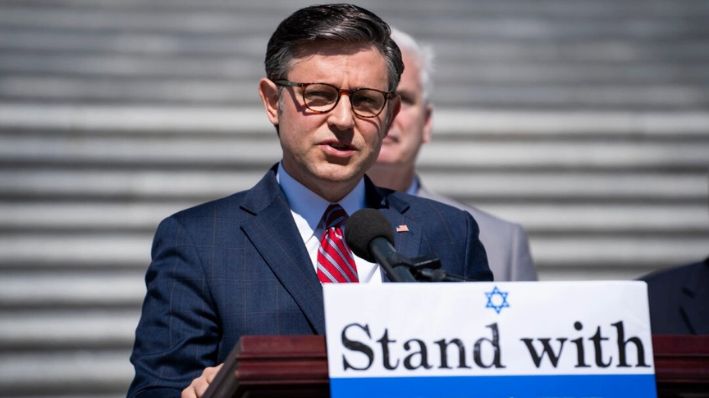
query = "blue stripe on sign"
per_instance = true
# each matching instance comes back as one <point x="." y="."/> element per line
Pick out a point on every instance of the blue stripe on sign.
<point x="569" y="386"/>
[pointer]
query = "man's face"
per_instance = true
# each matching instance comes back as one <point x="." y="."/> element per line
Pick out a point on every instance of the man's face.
<point x="330" y="151"/>
<point x="412" y="126"/>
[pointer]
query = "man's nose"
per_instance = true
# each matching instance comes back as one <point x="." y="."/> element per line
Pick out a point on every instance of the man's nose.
<point x="342" y="115"/>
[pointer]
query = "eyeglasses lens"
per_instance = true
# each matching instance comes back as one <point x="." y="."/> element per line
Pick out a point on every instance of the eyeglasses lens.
<point x="322" y="98"/>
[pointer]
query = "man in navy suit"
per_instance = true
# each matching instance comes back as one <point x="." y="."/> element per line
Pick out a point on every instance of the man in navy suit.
<point x="246" y="264"/>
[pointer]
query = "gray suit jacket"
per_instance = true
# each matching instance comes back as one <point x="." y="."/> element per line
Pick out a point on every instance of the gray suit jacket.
<point x="506" y="243"/>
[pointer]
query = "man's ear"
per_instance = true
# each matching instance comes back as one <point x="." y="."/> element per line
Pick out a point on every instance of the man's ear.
<point x="268" y="91"/>
<point x="427" y="122"/>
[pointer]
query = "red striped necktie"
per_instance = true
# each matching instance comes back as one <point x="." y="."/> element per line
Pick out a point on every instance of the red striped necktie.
<point x="335" y="261"/>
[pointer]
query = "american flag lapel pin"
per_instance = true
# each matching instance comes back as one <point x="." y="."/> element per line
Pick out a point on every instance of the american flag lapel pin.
<point x="402" y="228"/>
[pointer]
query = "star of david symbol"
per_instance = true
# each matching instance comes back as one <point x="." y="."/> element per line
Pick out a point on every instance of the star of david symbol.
<point x="497" y="300"/>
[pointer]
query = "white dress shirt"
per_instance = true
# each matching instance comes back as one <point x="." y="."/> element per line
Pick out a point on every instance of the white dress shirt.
<point x="307" y="209"/>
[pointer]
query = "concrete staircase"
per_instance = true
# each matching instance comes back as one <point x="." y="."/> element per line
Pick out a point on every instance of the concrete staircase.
<point x="588" y="122"/>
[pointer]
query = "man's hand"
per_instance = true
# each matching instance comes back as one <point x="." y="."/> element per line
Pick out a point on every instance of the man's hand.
<point x="199" y="385"/>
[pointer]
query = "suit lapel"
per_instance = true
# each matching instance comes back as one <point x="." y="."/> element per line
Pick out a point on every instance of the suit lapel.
<point x="275" y="236"/>
<point x="394" y="207"/>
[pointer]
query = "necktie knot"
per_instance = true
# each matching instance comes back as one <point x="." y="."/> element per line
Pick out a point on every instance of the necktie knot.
<point x="334" y="216"/>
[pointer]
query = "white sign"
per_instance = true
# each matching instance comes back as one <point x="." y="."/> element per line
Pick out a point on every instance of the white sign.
<point x="507" y="339"/>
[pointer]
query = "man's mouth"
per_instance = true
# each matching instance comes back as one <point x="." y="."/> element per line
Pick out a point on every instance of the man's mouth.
<point x="340" y="146"/>
<point x="338" y="149"/>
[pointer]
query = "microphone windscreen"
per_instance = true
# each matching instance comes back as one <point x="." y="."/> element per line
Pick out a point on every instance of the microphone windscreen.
<point x="364" y="226"/>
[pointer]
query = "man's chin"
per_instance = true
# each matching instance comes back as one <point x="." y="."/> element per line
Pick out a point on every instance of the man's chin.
<point x="336" y="172"/>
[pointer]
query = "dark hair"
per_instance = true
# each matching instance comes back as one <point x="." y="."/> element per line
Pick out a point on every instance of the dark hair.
<point x="343" y="23"/>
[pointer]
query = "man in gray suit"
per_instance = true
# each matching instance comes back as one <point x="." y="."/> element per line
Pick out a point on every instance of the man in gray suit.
<point x="506" y="243"/>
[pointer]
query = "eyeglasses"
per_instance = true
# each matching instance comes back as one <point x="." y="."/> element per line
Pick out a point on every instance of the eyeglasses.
<point x="323" y="97"/>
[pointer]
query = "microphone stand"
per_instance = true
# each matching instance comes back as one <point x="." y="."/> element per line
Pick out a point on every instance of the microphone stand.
<point x="401" y="269"/>
<point x="428" y="269"/>
<point x="396" y="266"/>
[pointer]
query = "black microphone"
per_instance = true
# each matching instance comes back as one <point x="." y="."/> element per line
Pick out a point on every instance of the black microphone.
<point x="370" y="237"/>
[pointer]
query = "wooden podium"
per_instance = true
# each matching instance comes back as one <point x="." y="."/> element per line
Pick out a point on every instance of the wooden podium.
<point x="681" y="366"/>
<point x="296" y="366"/>
<point x="274" y="367"/>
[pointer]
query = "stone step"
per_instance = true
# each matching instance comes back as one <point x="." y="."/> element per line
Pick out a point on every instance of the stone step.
<point x="139" y="67"/>
<point x="42" y="120"/>
<point x="80" y="251"/>
<point x="547" y="218"/>
<point x="138" y="150"/>
<point x="593" y="154"/>
<point x="71" y="329"/>
<point x="630" y="255"/>
<point x="68" y="288"/>
<point x="223" y="51"/>
<point x="81" y="372"/>
<point x="55" y="120"/>
<point x="86" y="19"/>
<point x="655" y="96"/>
<point x="533" y="29"/>
<point x="607" y="8"/>
<point x="472" y="73"/>
<point x="59" y="120"/>
<point x="190" y="186"/>
<point x="138" y="184"/>
<point x="522" y="23"/>
<point x="555" y="186"/>
<point x="612" y="219"/>
<point x="605" y="271"/>
<point x="79" y="216"/>
<point x="147" y="44"/>
<point x="174" y="91"/>
<point x="217" y="92"/>
<point x="103" y="252"/>
<point x="565" y="125"/>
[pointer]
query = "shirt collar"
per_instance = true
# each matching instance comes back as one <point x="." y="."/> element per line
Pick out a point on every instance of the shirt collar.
<point x="413" y="189"/>
<point x="310" y="207"/>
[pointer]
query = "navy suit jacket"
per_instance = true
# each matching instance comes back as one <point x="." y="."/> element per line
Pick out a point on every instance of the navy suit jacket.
<point x="679" y="299"/>
<point x="237" y="266"/>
